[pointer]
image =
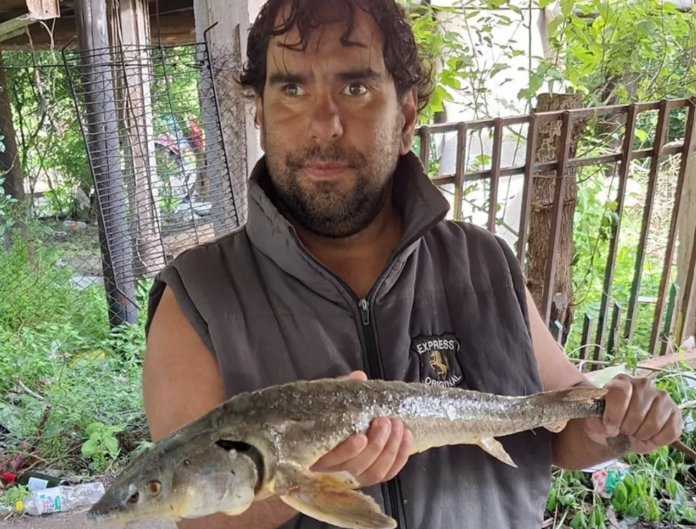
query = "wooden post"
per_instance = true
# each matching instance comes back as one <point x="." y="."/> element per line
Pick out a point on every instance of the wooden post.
<point x="687" y="235"/>
<point x="103" y="149"/>
<point x="131" y="36"/>
<point x="227" y="50"/>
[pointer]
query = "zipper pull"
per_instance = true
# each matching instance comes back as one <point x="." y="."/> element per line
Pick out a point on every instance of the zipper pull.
<point x="365" y="311"/>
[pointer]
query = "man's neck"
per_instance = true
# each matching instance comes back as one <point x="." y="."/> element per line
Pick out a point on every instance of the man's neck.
<point x="358" y="260"/>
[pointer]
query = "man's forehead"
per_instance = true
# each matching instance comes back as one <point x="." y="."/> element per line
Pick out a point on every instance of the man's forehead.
<point x="361" y="46"/>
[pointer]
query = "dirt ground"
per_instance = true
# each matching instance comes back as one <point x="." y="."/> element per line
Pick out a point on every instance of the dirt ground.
<point x="73" y="521"/>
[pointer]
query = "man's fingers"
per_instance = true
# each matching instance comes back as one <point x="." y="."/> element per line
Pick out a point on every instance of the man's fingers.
<point x="355" y="375"/>
<point x="347" y="450"/>
<point x="617" y="401"/>
<point x="671" y="431"/>
<point x="376" y="472"/>
<point x="377" y="438"/>
<point x="402" y="455"/>
<point x="655" y="419"/>
<point x="642" y="398"/>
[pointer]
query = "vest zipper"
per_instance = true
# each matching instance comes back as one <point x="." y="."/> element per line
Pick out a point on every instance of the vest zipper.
<point x="391" y="490"/>
<point x="373" y="360"/>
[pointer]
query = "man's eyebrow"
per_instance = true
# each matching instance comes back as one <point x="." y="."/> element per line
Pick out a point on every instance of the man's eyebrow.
<point x="286" y="78"/>
<point x="355" y="75"/>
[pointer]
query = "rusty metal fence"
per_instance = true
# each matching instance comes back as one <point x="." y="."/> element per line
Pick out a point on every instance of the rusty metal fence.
<point x="666" y="120"/>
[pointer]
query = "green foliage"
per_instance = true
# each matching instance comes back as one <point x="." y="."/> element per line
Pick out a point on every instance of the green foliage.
<point x="654" y="488"/>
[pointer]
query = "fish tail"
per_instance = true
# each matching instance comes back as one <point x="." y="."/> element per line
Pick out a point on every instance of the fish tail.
<point x="588" y="399"/>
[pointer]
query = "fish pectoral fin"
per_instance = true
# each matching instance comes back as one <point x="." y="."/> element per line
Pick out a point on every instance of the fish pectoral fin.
<point x="348" y="509"/>
<point x="339" y="480"/>
<point x="556" y="427"/>
<point x="494" y="448"/>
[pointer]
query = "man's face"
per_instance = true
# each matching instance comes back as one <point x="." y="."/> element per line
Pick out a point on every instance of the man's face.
<point x="332" y="127"/>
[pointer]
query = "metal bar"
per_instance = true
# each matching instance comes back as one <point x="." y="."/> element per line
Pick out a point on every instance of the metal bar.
<point x="557" y="331"/>
<point x="577" y="113"/>
<point x="614" y="331"/>
<point x="425" y="148"/>
<point x="550" y="166"/>
<point x="532" y="136"/>
<point x="624" y="168"/>
<point x="557" y="214"/>
<point x="495" y="173"/>
<point x="670" y="317"/>
<point x="585" y="340"/>
<point x="669" y="251"/>
<point x="460" y="170"/>
<point x="647" y="214"/>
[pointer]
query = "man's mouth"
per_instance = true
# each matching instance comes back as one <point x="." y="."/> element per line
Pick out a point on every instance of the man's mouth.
<point x="326" y="169"/>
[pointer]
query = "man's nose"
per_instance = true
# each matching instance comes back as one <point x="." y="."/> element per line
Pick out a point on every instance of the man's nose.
<point x="325" y="125"/>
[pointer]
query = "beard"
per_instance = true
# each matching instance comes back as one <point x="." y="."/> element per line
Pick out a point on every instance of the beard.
<point x="333" y="209"/>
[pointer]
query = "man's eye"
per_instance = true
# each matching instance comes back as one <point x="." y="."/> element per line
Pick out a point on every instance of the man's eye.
<point x="293" y="90"/>
<point x="356" y="89"/>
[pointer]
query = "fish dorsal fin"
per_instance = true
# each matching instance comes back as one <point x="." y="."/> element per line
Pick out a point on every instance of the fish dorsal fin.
<point x="328" y="498"/>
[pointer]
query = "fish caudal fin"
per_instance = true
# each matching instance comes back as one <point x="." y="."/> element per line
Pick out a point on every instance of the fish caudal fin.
<point x="329" y="498"/>
<point x="494" y="448"/>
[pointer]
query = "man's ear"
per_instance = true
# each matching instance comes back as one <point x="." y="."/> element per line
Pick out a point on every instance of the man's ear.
<point x="409" y="112"/>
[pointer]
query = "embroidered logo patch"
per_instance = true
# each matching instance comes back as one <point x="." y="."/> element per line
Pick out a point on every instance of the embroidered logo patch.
<point x="438" y="360"/>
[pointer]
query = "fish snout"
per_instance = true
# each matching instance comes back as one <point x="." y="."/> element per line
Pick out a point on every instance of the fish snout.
<point x="114" y="502"/>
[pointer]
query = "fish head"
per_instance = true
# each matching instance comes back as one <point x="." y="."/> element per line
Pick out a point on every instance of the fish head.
<point x="222" y="477"/>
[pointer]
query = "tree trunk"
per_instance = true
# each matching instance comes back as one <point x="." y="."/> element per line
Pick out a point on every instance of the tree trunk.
<point x="541" y="214"/>
<point x="10" y="168"/>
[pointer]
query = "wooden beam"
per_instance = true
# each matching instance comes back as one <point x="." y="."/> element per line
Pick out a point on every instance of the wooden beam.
<point x="15" y="27"/>
<point x="130" y="30"/>
<point x="103" y="151"/>
<point x="227" y="48"/>
<point x="175" y="29"/>
<point x="43" y="9"/>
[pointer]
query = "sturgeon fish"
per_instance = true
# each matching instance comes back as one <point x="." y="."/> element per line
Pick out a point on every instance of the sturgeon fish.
<point x="263" y="443"/>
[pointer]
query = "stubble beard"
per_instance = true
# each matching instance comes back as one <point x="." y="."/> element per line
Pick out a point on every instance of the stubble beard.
<point x="324" y="208"/>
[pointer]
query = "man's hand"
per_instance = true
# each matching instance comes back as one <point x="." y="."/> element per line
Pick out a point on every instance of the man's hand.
<point x="373" y="458"/>
<point x="637" y="409"/>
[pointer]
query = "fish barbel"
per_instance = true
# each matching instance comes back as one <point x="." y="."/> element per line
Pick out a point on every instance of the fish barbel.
<point x="263" y="443"/>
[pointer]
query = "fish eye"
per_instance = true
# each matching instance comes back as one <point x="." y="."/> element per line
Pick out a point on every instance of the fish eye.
<point x="154" y="487"/>
<point x="134" y="497"/>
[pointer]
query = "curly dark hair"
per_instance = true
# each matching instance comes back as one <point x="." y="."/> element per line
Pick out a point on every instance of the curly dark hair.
<point x="405" y="61"/>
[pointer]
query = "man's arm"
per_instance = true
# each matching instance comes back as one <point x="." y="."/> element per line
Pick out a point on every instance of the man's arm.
<point x="181" y="382"/>
<point x="634" y="407"/>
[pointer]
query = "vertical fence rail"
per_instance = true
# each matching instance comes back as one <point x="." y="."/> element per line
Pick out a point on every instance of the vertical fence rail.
<point x="671" y="240"/>
<point x="527" y="194"/>
<point x="624" y="169"/>
<point x="662" y="123"/>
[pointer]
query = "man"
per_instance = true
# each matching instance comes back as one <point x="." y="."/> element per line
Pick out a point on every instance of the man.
<point x="347" y="267"/>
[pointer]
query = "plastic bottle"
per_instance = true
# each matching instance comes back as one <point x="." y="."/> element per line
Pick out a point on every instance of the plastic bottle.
<point x="63" y="498"/>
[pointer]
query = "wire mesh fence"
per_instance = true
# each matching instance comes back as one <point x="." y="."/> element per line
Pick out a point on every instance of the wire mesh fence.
<point x="151" y="123"/>
<point x="124" y="164"/>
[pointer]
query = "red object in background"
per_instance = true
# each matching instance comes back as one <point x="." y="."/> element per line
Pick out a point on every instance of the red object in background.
<point x="9" y="478"/>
